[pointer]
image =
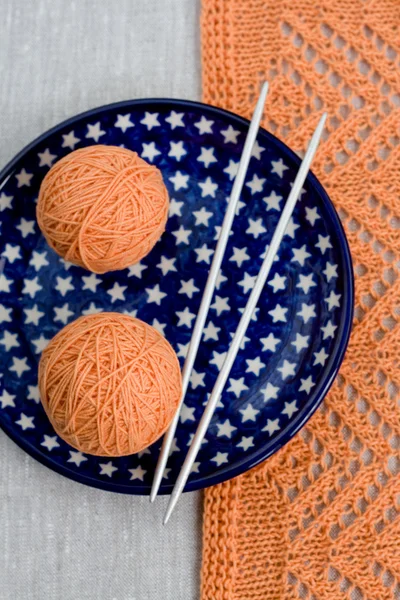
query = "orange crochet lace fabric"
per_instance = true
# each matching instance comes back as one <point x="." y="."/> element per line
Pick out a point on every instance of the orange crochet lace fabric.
<point x="321" y="518"/>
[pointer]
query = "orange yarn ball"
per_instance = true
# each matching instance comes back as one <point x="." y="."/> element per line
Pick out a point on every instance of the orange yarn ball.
<point x="102" y="207"/>
<point x="110" y="384"/>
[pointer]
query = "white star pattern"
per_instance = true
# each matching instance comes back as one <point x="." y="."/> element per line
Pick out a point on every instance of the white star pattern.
<point x="137" y="473"/>
<point x="70" y="140"/>
<point x="269" y="343"/>
<point x="11" y="253"/>
<point x="150" y="120"/>
<point x="149" y="151"/>
<point x="95" y="132"/>
<point x="207" y="157"/>
<point x="24" y="178"/>
<point x="175" y="119"/>
<point x="208" y="188"/>
<point x="283" y="344"/>
<point x="177" y="150"/>
<point x="46" y="159"/>
<point x="278" y="167"/>
<point x="107" y="468"/>
<point x="155" y="294"/>
<point x="124" y="122"/>
<point x="256" y="184"/>
<point x="25" y="422"/>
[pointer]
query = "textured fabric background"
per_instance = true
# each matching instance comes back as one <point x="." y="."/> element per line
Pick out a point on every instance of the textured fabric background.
<point x="60" y="540"/>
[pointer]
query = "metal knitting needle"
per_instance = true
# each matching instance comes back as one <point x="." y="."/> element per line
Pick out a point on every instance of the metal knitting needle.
<point x="245" y="319"/>
<point x="210" y="285"/>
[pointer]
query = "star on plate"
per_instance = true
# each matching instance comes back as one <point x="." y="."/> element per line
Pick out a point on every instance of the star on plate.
<point x="149" y="151"/>
<point x="136" y="270"/>
<point x="7" y="399"/>
<point x="150" y="120"/>
<point x="187" y="413"/>
<point x="182" y="350"/>
<point x="5" y="201"/>
<point x="179" y="180"/>
<point x="92" y="309"/>
<point x="273" y="201"/>
<point x="306" y="385"/>
<point x="329" y="330"/>
<point x="197" y="379"/>
<point x="270" y="343"/>
<point x="307" y="312"/>
<point x="202" y="216"/>
<point x="124" y="122"/>
<point x="64" y="285"/>
<point x="207" y="157"/>
<point x="5" y="314"/>
<point x="323" y="243"/>
<point x="211" y="332"/>
<point x="230" y="135"/>
<point x="177" y="150"/>
<point x="249" y="413"/>
<point x="76" y="457"/>
<point x="24" y="178"/>
<point x="254" y="365"/>
<point x="175" y="119"/>
<point x="225" y="429"/>
<point x="137" y="473"/>
<point x="107" y="468"/>
<point x="220" y="305"/>
<point x="247" y="283"/>
<point x="306" y="282"/>
<point x="188" y="288"/>
<point x="278" y="167"/>
<point x="39" y="260"/>
<point x="95" y="132"/>
<point x="70" y="140"/>
<point x="181" y="235"/>
<point x="246" y="443"/>
<point x="330" y="271"/>
<point x="50" y="442"/>
<point x="218" y="359"/>
<point x="232" y="169"/>
<point x="287" y="369"/>
<point x="237" y="386"/>
<point x="204" y="125"/>
<point x="9" y="340"/>
<point x="333" y="300"/>
<point x="290" y="409"/>
<point x="33" y="393"/>
<point x="277" y="283"/>
<point x="159" y="326"/>
<point x="301" y="342"/>
<point x="320" y="357"/>
<point x="204" y="254"/>
<point x="33" y="315"/>
<point x="272" y="426"/>
<point x="40" y="344"/>
<point x="239" y="256"/>
<point x="11" y="253"/>
<point x="208" y="188"/>
<point x="175" y="208"/>
<point x="5" y="284"/>
<point x="278" y="314"/>
<point x="255" y="228"/>
<point x="300" y="255"/>
<point x="291" y="228"/>
<point x="155" y="294"/>
<point x="46" y="159"/>
<point x="256" y="184"/>
<point x="31" y="287"/>
<point x="257" y="150"/>
<point x="25" y="422"/>
<point x="270" y="392"/>
<point x="26" y="227"/>
<point x="166" y="265"/>
<point x="62" y="313"/>
<point x="117" y="292"/>
<point x="220" y="458"/>
<point x="312" y="215"/>
<point x="185" y="317"/>
<point x="91" y="282"/>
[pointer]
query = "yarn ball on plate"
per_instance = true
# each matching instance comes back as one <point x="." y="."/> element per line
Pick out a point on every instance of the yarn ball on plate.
<point x="102" y="207"/>
<point x="110" y="384"/>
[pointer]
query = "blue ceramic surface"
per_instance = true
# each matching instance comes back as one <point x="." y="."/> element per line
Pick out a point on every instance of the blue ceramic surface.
<point x="294" y="344"/>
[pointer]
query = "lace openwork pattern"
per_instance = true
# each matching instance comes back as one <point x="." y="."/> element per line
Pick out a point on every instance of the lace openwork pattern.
<point x="321" y="518"/>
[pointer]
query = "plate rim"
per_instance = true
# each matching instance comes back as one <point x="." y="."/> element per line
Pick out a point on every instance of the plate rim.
<point x="335" y="360"/>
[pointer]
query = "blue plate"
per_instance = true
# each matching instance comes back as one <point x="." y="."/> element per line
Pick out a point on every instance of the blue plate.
<point x="299" y="333"/>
